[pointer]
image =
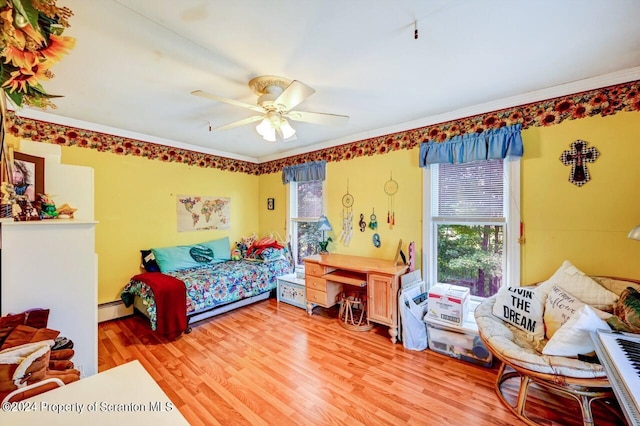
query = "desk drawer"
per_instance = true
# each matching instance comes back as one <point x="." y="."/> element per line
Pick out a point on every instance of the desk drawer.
<point x="325" y="298"/>
<point x="319" y="298"/>
<point x="316" y="283"/>
<point x="316" y="269"/>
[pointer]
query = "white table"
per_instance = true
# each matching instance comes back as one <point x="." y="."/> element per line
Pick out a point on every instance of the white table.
<point x="123" y="395"/>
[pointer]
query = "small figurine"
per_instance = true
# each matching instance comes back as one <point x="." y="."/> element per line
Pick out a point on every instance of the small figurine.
<point x="47" y="207"/>
<point x="65" y="211"/>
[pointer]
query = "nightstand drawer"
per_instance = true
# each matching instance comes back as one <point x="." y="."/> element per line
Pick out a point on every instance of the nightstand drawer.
<point x="316" y="283"/>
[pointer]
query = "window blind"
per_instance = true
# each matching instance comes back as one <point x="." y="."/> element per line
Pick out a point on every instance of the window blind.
<point x="469" y="190"/>
<point x="309" y="199"/>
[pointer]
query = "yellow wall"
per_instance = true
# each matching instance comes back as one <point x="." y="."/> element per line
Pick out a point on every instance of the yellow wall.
<point x="272" y="221"/>
<point x="366" y="177"/>
<point x="135" y="205"/>
<point x="587" y="225"/>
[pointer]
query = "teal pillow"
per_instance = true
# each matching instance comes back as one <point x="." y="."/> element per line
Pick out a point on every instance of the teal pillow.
<point x="221" y="249"/>
<point x="182" y="257"/>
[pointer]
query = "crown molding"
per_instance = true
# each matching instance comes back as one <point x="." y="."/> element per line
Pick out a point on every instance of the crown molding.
<point x="38" y="115"/>
<point x="619" y="77"/>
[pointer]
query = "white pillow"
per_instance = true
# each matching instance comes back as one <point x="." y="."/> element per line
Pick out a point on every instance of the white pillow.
<point x="571" y="279"/>
<point x="573" y="337"/>
<point x="521" y="307"/>
<point x="560" y="307"/>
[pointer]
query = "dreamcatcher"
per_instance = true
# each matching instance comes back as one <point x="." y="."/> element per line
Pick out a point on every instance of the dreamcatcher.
<point x="347" y="218"/>
<point x="391" y="188"/>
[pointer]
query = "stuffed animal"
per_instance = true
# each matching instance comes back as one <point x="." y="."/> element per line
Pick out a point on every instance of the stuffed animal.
<point x="235" y="253"/>
<point x="248" y="241"/>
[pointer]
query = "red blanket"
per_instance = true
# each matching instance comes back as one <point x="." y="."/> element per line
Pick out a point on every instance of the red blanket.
<point x="171" y="302"/>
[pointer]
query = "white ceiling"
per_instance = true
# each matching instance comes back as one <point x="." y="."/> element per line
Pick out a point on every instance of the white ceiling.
<point x="136" y="62"/>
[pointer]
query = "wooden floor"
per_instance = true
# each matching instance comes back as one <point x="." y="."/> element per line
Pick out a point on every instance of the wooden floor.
<point x="271" y="363"/>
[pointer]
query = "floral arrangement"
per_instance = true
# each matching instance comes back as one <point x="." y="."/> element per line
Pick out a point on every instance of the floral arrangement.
<point x="31" y="42"/>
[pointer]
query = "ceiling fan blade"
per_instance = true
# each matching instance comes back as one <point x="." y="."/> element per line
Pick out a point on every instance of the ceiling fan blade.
<point x="295" y="93"/>
<point x="228" y="101"/>
<point x="317" y="117"/>
<point x="239" y="123"/>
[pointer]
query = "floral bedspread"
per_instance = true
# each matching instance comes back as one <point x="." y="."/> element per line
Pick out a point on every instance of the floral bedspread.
<point x="217" y="284"/>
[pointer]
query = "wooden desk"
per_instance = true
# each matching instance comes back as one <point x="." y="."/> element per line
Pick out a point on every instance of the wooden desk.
<point x="123" y="395"/>
<point x="327" y="274"/>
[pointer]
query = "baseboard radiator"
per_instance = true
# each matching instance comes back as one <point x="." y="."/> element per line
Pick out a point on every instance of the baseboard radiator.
<point x="113" y="310"/>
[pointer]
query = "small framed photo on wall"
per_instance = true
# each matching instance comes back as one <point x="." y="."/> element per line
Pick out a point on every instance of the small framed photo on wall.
<point x="271" y="203"/>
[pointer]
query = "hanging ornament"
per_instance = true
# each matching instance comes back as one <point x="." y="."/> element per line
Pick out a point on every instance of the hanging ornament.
<point x="373" y="220"/>
<point x="347" y="218"/>
<point x="362" y="223"/>
<point x="391" y="188"/>
<point x="376" y="240"/>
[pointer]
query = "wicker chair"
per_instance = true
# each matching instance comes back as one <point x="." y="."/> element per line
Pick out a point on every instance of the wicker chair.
<point x="583" y="381"/>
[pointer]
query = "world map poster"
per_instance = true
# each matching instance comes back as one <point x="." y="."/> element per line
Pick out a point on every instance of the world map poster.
<point x="200" y="213"/>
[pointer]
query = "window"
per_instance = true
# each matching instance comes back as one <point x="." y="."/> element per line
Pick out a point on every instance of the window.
<point x="306" y="203"/>
<point x="472" y="224"/>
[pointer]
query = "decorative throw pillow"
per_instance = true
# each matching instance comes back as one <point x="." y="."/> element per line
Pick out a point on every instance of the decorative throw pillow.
<point x="626" y="312"/>
<point x="182" y="257"/>
<point x="149" y="261"/>
<point x="221" y="249"/>
<point x="271" y="254"/>
<point x="559" y="307"/>
<point x="573" y="337"/>
<point x="521" y="307"/>
<point x="571" y="279"/>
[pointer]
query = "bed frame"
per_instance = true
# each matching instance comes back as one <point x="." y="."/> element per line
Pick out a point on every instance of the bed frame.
<point x="194" y="317"/>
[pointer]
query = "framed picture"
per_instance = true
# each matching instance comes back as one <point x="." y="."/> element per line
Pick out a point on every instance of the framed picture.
<point x="28" y="175"/>
<point x="398" y="251"/>
<point x="271" y="203"/>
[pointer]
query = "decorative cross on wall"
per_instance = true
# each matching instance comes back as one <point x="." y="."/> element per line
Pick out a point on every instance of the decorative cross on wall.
<point x="577" y="157"/>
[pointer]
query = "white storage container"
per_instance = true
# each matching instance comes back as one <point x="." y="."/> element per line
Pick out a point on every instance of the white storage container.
<point x="448" y="303"/>
<point x="460" y="342"/>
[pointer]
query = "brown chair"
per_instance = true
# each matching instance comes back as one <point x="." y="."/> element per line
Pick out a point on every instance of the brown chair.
<point x="585" y="382"/>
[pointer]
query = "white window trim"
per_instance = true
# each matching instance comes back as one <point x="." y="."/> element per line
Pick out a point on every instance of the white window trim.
<point x="512" y="229"/>
<point x="292" y="209"/>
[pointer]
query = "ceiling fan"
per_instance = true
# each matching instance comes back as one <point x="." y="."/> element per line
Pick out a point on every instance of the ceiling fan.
<point x="277" y="96"/>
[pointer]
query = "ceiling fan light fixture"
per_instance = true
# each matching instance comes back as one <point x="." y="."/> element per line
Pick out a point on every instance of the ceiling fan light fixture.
<point x="266" y="130"/>
<point x="287" y="131"/>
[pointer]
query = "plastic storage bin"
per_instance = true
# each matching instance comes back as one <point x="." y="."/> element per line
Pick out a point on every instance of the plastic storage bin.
<point x="461" y="342"/>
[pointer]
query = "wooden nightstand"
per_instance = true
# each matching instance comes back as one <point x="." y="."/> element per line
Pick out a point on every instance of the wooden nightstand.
<point x="291" y="290"/>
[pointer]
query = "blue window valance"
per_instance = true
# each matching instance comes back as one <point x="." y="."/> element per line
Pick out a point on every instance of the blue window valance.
<point x="488" y="145"/>
<point x="315" y="170"/>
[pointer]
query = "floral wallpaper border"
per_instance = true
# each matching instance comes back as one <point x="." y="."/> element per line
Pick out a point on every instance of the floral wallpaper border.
<point x="604" y="101"/>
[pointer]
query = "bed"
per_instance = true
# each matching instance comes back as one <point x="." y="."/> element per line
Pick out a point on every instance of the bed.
<point x="211" y="288"/>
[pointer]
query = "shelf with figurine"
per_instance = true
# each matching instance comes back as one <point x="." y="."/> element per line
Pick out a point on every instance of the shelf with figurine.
<point x="20" y="208"/>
